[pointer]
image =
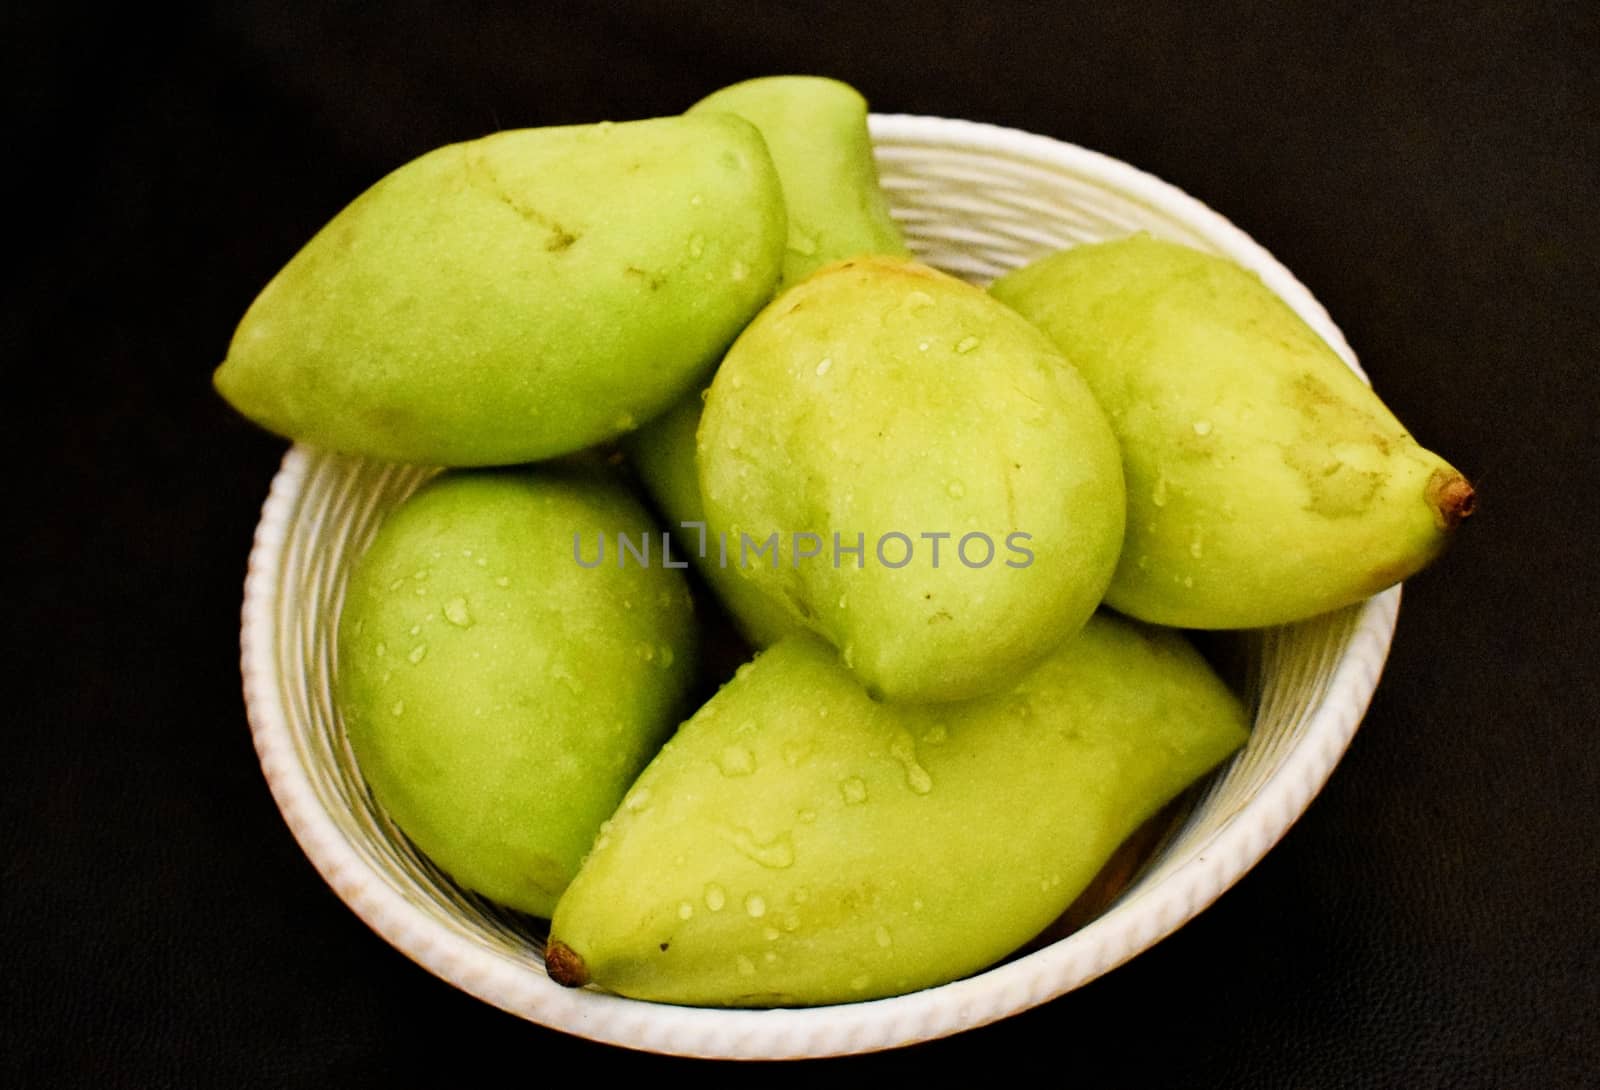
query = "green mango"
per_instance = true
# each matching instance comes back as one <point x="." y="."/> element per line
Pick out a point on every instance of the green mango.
<point x="1266" y="482"/>
<point x="816" y="131"/>
<point x="517" y="297"/>
<point x="798" y="843"/>
<point x="498" y="696"/>
<point x="879" y="405"/>
<point x="662" y="456"/>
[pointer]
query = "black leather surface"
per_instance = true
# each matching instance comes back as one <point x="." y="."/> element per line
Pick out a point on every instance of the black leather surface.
<point x="1429" y="172"/>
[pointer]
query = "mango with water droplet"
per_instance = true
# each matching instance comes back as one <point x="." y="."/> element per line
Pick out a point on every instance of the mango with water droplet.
<point x="956" y="490"/>
<point x="913" y="845"/>
<point x="816" y="131"/>
<point x="1266" y="482"/>
<point x="499" y="697"/>
<point x="516" y="297"/>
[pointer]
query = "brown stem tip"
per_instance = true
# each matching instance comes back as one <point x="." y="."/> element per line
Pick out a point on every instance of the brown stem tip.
<point x="1451" y="496"/>
<point x="564" y="965"/>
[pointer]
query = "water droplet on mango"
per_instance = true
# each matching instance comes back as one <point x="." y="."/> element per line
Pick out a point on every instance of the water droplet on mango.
<point x="456" y="612"/>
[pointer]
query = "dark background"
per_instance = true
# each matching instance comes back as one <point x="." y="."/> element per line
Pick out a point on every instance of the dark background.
<point x="1431" y="175"/>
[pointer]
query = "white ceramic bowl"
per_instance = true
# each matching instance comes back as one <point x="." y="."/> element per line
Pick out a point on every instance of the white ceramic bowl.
<point x="974" y="200"/>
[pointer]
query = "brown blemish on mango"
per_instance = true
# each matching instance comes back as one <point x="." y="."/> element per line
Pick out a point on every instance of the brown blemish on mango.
<point x="480" y="175"/>
<point x="1333" y="418"/>
<point x="1335" y="489"/>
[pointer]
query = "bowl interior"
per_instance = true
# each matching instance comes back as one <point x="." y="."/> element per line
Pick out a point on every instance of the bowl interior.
<point x="975" y="201"/>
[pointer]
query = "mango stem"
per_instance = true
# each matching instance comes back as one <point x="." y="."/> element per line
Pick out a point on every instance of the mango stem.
<point x="1451" y="496"/>
<point x="564" y="965"/>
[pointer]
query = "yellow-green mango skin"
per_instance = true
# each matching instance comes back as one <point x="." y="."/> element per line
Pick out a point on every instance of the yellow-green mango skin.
<point x="797" y="843"/>
<point x="517" y="297"/>
<point x="498" y="697"/>
<point x="662" y="456"/>
<point x="883" y="397"/>
<point x="816" y="130"/>
<point x="1266" y="482"/>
